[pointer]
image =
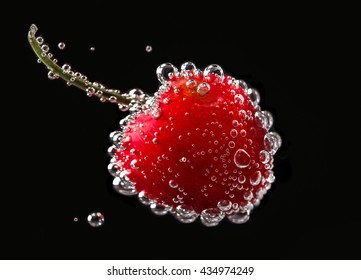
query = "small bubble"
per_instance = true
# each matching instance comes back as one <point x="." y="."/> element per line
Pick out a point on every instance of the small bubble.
<point x="241" y="179"/>
<point x="224" y="205"/>
<point x="157" y="113"/>
<point x="165" y="72"/>
<point x="254" y="96"/>
<point x="52" y="75"/>
<point x="272" y="142"/>
<point x="96" y="219"/>
<point x="40" y="40"/>
<point x="264" y="156"/>
<point x="203" y="88"/>
<point x="133" y="164"/>
<point x="75" y="219"/>
<point x="234" y="133"/>
<point x="92" y="49"/>
<point x="231" y="144"/>
<point x="45" y="48"/>
<point x="242" y="158"/>
<point x="239" y="99"/>
<point x="173" y="184"/>
<point x="188" y="66"/>
<point x="191" y="84"/>
<point x="214" y="73"/>
<point x="255" y="178"/>
<point x="61" y="45"/>
<point x="243" y="133"/>
<point x="148" y="49"/>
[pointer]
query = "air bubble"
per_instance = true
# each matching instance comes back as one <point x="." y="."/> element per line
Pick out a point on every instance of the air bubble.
<point x="239" y="99"/>
<point x="40" y="40"/>
<point x="234" y="133"/>
<point x="45" y="48"/>
<point x="272" y="142"/>
<point x="159" y="209"/>
<point x="133" y="164"/>
<point x="264" y="156"/>
<point x="96" y="219"/>
<point x="148" y="49"/>
<point x="239" y="218"/>
<point x="165" y="72"/>
<point x="188" y="66"/>
<point x="224" y="205"/>
<point x="92" y="49"/>
<point x="254" y="96"/>
<point x="255" y="178"/>
<point x="191" y="84"/>
<point x="231" y="144"/>
<point x="203" y="88"/>
<point x="143" y="199"/>
<point x="156" y="113"/>
<point x="173" y="184"/>
<point x="61" y="45"/>
<point x="185" y="213"/>
<point x="241" y="179"/>
<point x="123" y="185"/>
<point x="211" y="217"/>
<point x="242" y="158"/>
<point x="52" y="75"/>
<point x="213" y="73"/>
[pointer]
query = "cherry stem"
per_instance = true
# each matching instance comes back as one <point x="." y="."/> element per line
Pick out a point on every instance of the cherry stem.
<point x="92" y="88"/>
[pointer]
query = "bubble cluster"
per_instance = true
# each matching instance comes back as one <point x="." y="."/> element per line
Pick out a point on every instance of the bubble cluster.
<point x="201" y="147"/>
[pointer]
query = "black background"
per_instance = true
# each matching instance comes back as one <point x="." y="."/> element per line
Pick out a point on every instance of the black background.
<point x="57" y="166"/>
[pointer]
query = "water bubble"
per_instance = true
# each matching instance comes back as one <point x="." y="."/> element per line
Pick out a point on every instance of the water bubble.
<point x="224" y="205"/>
<point x="272" y="142"/>
<point x="92" y="49"/>
<point x="242" y="158"/>
<point x="157" y="113"/>
<point x="211" y="217"/>
<point x="255" y="178"/>
<point x="61" y="45"/>
<point x="75" y="219"/>
<point x="96" y="219"/>
<point x="143" y="199"/>
<point x="191" y="84"/>
<point x="185" y="213"/>
<point x="239" y="99"/>
<point x="148" y="49"/>
<point x="234" y="133"/>
<point x="264" y="156"/>
<point x="173" y="184"/>
<point x="213" y="73"/>
<point x="159" y="209"/>
<point x="254" y="96"/>
<point x="165" y="72"/>
<point x="123" y="186"/>
<point x="188" y="66"/>
<point x="239" y="218"/>
<point x="203" y="88"/>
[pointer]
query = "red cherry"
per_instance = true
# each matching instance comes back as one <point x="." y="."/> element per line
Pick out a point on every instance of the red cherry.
<point x="200" y="146"/>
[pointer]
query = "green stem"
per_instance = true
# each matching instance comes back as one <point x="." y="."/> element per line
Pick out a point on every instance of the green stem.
<point x="92" y="88"/>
